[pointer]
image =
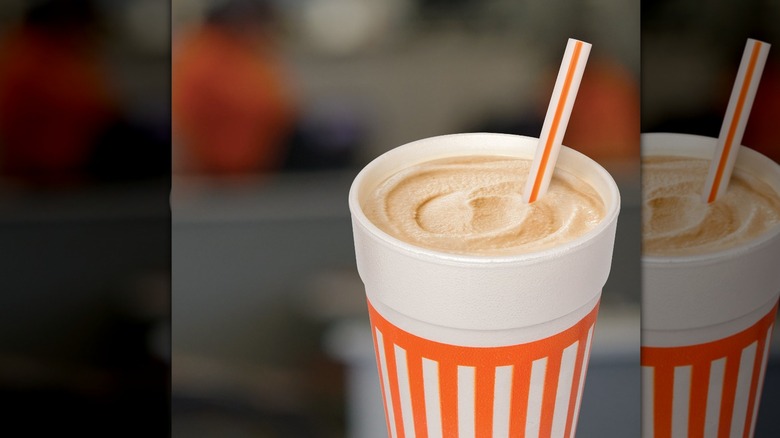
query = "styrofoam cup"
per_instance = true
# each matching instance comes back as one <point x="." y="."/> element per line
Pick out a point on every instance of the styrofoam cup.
<point x="473" y="346"/>
<point x="707" y="319"/>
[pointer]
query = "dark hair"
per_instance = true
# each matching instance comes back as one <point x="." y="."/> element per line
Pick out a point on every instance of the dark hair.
<point x="61" y="14"/>
<point x="237" y="12"/>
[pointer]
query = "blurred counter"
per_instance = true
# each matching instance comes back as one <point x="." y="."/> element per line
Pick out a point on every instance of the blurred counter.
<point x="84" y="320"/>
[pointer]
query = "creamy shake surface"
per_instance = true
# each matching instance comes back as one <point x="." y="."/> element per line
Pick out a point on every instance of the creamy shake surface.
<point x="676" y="220"/>
<point x="473" y="205"/>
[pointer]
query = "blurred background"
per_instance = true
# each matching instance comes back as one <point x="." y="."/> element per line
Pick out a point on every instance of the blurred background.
<point x="224" y="292"/>
<point x="84" y="217"/>
<point x="276" y="105"/>
<point x="690" y="56"/>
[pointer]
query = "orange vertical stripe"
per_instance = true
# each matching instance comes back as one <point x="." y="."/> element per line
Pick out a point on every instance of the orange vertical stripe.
<point x="688" y="354"/>
<point x="556" y="120"/>
<point x="663" y="389"/>
<point x="484" y="359"/>
<point x="518" y="408"/>
<point x="392" y="374"/>
<point x="417" y="391"/>
<point x="664" y="359"/>
<point x="481" y="356"/>
<point x="733" y="123"/>
<point x="484" y="394"/>
<point x="759" y="359"/>
<point x="730" y="377"/>
<point x="381" y="384"/>
<point x="575" y="384"/>
<point x="697" y="404"/>
<point x="448" y="392"/>
<point x="551" y="375"/>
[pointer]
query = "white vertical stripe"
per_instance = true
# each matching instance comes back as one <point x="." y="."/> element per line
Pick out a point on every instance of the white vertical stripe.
<point x="535" y="393"/>
<point x="583" y="373"/>
<point x="647" y="390"/>
<point x="404" y="393"/>
<point x="563" y="393"/>
<point x="502" y="400"/>
<point x="714" y="393"/>
<point x="380" y="347"/>
<point x="760" y="380"/>
<point x="746" y="361"/>
<point x="466" y="424"/>
<point x="432" y="401"/>
<point x="681" y="401"/>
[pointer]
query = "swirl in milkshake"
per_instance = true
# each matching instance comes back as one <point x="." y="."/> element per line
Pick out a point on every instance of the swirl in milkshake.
<point x="677" y="221"/>
<point x="473" y="205"/>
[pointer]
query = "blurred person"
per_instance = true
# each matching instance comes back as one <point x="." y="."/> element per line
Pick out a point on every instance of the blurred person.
<point x="604" y="123"/>
<point x="232" y="110"/>
<point x="761" y="132"/>
<point x="54" y="97"/>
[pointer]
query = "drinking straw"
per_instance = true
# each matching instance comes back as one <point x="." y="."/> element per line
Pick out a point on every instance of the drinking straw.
<point x="558" y="112"/>
<point x="735" y="120"/>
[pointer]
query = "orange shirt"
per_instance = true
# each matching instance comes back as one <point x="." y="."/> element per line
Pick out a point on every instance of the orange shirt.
<point x="54" y="102"/>
<point x="604" y="122"/>
<point x="761" y="132"/>
<point x="231" y="109"/>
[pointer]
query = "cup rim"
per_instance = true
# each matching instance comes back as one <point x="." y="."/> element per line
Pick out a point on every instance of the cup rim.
<point x="750" y="245"/>
<point x="530" y="257"/>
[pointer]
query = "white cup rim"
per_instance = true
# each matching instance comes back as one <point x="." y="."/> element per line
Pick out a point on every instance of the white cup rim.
<point x="530" y="257"/>
<point x="745" y="155"/>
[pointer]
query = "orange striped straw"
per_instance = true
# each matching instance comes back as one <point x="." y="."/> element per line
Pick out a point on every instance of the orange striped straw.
<point x="561" y="104"/>
<point x="737" y="113"/>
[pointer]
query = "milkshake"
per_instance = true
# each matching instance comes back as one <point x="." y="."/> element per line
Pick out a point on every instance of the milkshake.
<point x="473" y="205"/>
<point x="676" y="220"/>
<point x="482" y="307"/>
<point x="710" y="288"/>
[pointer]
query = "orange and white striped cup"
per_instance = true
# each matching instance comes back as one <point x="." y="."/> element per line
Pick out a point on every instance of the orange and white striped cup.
<point x="707" y="321"/>
<point x="476" y="346"/>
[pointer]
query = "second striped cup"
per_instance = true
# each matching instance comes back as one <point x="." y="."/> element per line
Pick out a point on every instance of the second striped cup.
<point x="492" y="345"/>
<point x="710" y="288"/>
